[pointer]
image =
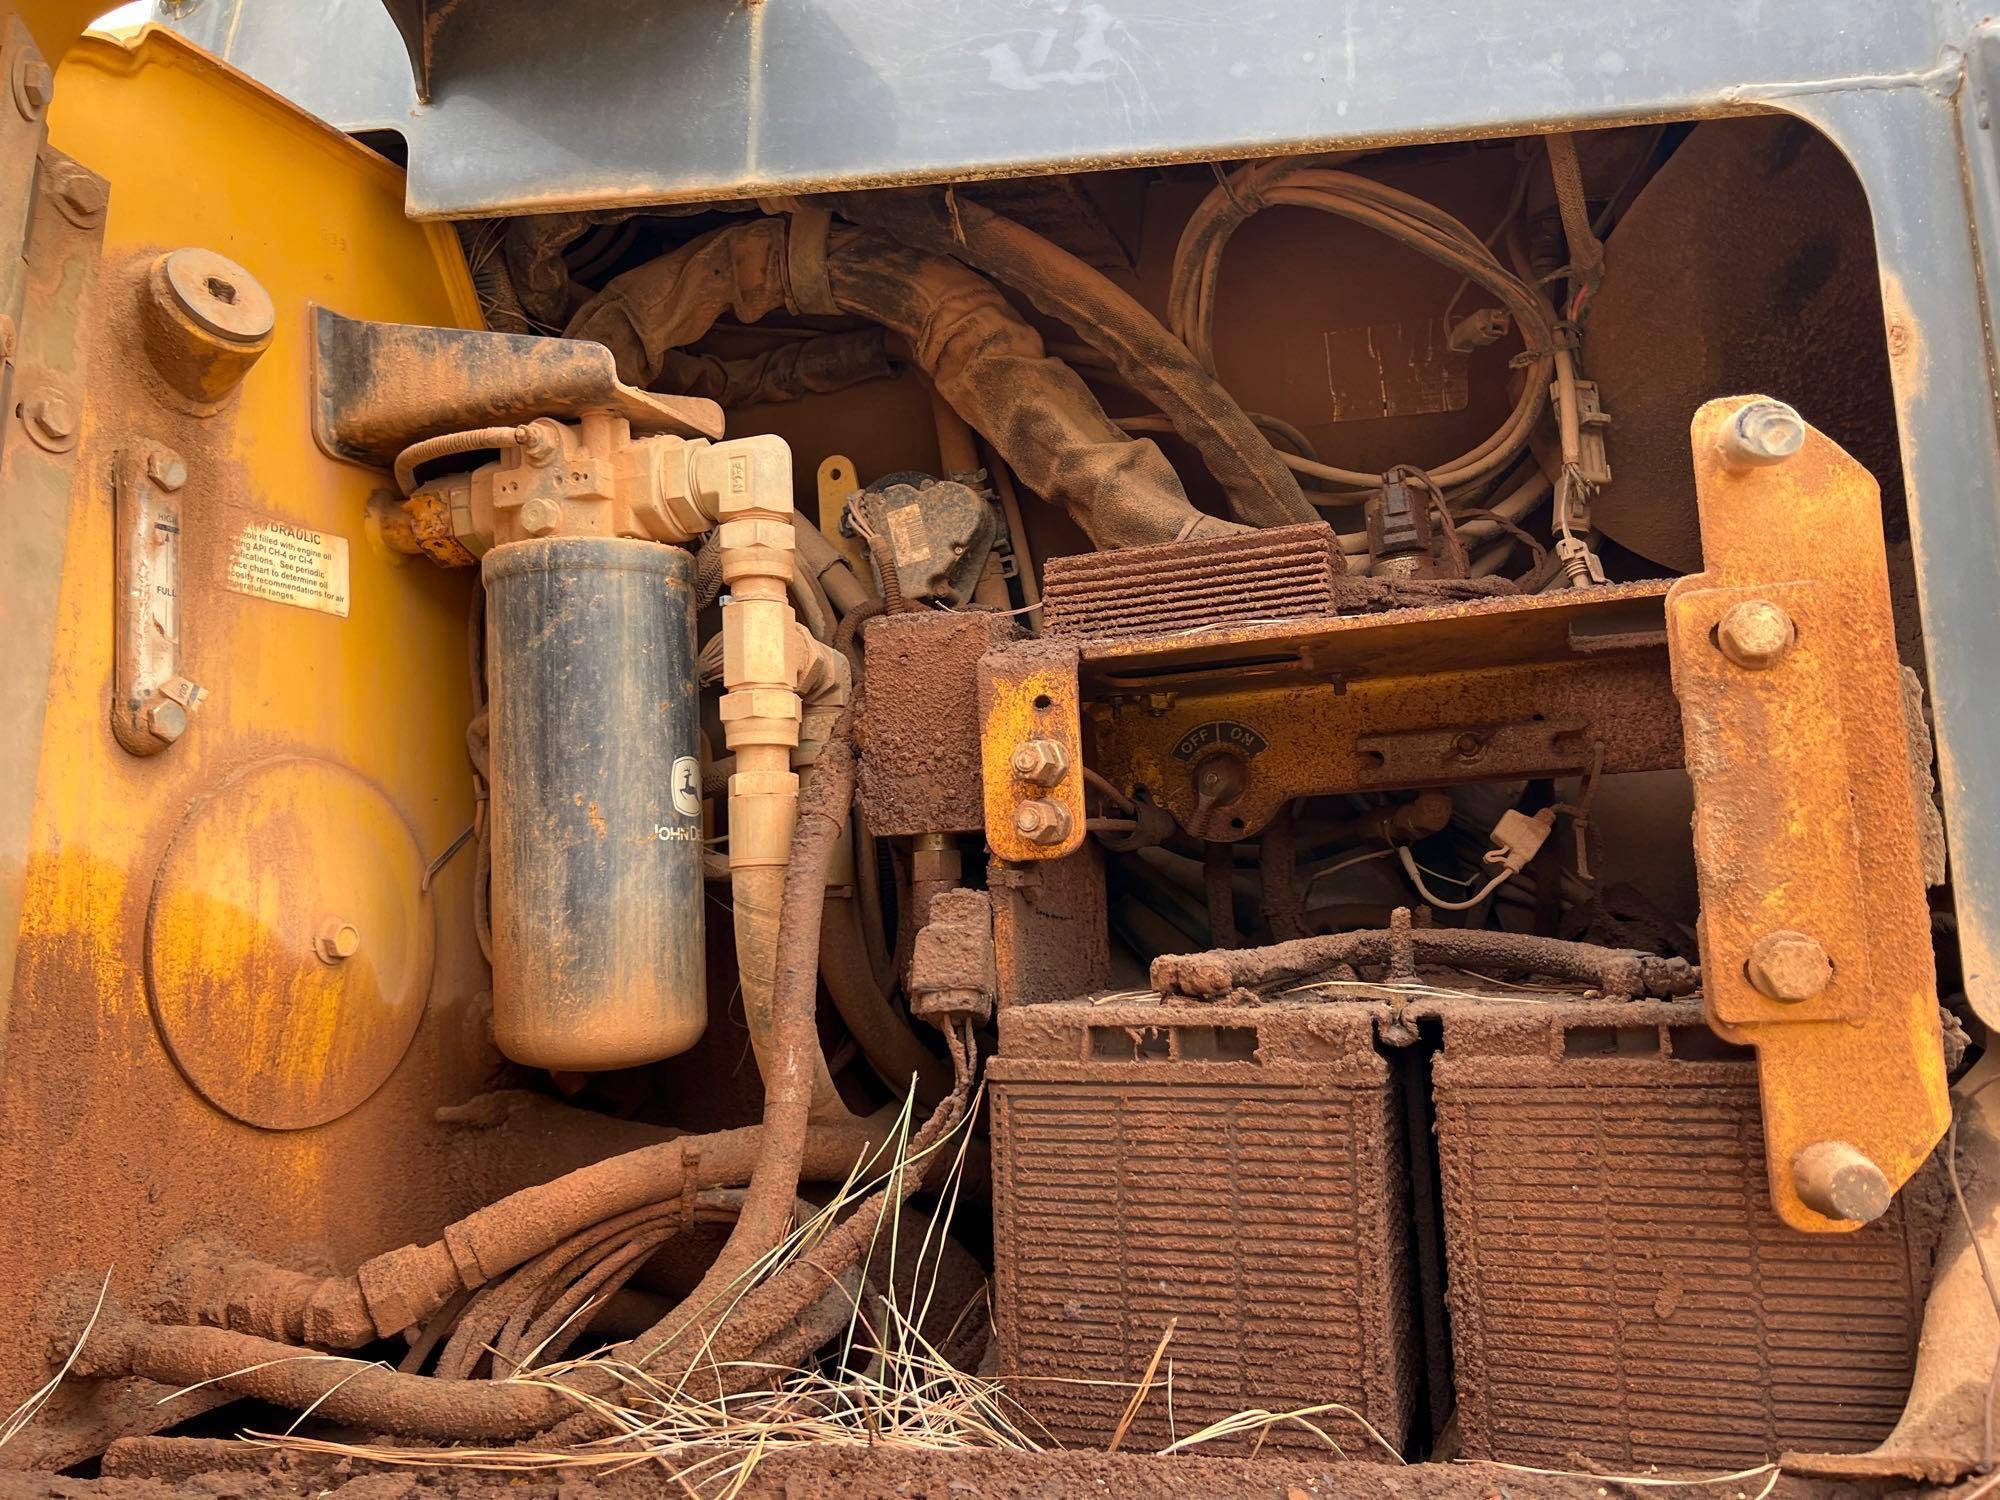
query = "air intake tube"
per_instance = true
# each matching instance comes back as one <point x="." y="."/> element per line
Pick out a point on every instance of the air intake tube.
<point x="596" y="802"/>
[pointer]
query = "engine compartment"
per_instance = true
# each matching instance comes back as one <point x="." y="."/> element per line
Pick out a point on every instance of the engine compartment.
<point x="1434" y="858"/>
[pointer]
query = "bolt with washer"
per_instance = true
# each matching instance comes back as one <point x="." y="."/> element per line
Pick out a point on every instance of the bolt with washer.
<point x="1788" y="967"/>
<point x="83" y="196"/>
<point x="1042" y="761"/>
<point x="1764" y="433"/>
<point x="1042" y="822"/>
<point x="1755" y="634"/>
<point x="34" y="88"/>
<point x="338" y="941"/>
<point x="52" y="417"/>
<point x="539" y="516"/>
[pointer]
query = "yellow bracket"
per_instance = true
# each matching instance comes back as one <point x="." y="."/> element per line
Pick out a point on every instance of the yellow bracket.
<point x="1028" y="697"/>
<point x="1815" y="935"/>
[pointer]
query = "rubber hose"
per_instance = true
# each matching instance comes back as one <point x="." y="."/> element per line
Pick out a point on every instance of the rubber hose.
<point x="982" y="357"/>
<point x="1261" y="490"/>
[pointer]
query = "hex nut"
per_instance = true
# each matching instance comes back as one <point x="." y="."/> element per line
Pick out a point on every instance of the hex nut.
<point x="1838" y="1180"/>
<point x="1764" y="433"/>
<point x="51" y="417"/>
<point x="1042" y="761"/>
<point x="166" y="721"/>
<point x="1788" y="967"/>
<point x="338" y="941"/>
<point x="166" y="469"/>
<point x="1755" y="634"/>
<point x="539" y="516"/>
<point x="82" y="196"/>
<point x="1042" y="822"/>
<point x="34" y="88"/>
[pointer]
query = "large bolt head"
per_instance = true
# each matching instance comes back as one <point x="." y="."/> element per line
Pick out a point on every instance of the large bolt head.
<point x="1755" y="634"/>
<point x="1042" y="822"/>
<point x="166" y="469"/>
<point x="539" y="517"/>
<point x="1788" y="967"/>
<point x="166" y="721"/>
<point x="34" y="87"/>
<point x="53" y="416"/>
<point x="82" y="195"/>
<point x="1838" y="1180"/>
<point x="1764" y="433"/>
<point x="1042" y="761"/>
<point x="338" y="941"/>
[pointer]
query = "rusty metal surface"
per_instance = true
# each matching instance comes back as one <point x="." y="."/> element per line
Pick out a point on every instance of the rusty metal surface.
<point x="1478" y="691"/>
<point x="380" y="386"/>
<point x="1281" y="573"/>
<point x="1234" y="1173"/>
<point x="919" y="731"/>
<point x="43" y="356"/>
<point x="1746" y="264"/>
<point x="1620" y="1286"/>
<point x="1051" y="931"/>
<point x="1028" y="694"/>
<point x="1804" y="814"/>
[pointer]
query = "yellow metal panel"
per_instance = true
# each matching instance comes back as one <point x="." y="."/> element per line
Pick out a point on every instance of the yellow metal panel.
<point x="1805" y="819"/>
<point x="106" y="1153"/>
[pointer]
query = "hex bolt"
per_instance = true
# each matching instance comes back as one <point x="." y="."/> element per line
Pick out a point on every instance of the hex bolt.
<point x="166" y="469"/>
<point x="34" y="88"/>
<point x="338" y="941"/>
<point x="82" y="195"/>
<point x="539" y="516"/>
<point x="1042" y="822"/>
<point x="1042" y="761"/>
<point x="1764" y="433"/>
<point x="1755" y="634"/>
<point x="52" y="417"/>
<point x="1838" y="1180"/>
<point x="166" y="721"/>
<point x="1788" y="967"/>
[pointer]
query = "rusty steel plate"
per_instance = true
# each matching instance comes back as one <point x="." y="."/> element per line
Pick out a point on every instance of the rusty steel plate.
<point x="1486" y="690"/>
<point x="1028" y="693"/>
<point x="289" y="943"/>
<point x="1805" y="818"/>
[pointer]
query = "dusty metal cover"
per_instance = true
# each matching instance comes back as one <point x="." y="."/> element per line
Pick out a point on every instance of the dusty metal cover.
<point x="1282" y="573"/>
<point x="1236" y="1173"/>
<point x="1747" y="264"/>
<point x="1619" y="1285"/>
<point x="288" y="946"/>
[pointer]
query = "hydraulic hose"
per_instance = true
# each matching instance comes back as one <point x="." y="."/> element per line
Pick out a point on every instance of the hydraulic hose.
<point x="1261" y="490"/>
<point x="982" y="357"/>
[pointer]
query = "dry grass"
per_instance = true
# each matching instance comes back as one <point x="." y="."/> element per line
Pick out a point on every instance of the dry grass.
<point x="887" y="1384"/>
<point x="29" y="1409"/>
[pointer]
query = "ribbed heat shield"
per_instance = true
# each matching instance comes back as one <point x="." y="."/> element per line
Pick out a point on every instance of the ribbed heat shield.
<point x="1242" y="1181"/>
<point x="1284" y="573"/>
<point x="1618" y="1284"/>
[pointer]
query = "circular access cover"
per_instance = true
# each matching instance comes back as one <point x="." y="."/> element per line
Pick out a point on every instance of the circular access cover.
<point x="289" y="944"/>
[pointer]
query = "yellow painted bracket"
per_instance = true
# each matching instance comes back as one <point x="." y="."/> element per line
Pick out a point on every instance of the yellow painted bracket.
<point x="1028" y="696"/>
<point x="1805" y="825"/>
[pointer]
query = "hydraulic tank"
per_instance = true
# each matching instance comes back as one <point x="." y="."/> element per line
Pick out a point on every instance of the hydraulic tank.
<point x="596" y="802"/>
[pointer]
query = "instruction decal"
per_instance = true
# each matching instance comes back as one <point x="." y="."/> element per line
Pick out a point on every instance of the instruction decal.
<point x="289" y="565"/>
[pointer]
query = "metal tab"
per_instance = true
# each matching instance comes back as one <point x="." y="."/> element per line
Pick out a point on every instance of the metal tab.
<point x="1027" y="693"/>
<point x="1805" y="831"/>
